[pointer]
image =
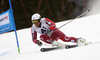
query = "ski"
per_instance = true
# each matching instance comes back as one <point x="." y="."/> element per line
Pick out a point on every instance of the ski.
<point x="59" y="47"/>
<point x="64" y="46"/>
<point x="49" y="49"/>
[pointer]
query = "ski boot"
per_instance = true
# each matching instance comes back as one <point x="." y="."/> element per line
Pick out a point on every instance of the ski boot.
<point x="58" y="44"/>
<point x="81" y="41"/>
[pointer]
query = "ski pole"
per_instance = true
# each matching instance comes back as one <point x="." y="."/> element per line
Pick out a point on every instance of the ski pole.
<point x="73" y="19"/>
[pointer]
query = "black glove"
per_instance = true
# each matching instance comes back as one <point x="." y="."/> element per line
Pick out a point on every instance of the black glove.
<point x="39" y="43"/>
<point x="49" y="32"/>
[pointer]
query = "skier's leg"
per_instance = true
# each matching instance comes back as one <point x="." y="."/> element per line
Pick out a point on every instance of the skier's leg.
<point x="59" y="34"/>
<point x="68" y="39"/>
<point x="46" y="39"/>
<point x="79" y="41"/>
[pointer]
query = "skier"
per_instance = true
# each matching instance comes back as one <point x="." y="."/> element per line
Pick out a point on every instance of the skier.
<point x="47" y="28"/>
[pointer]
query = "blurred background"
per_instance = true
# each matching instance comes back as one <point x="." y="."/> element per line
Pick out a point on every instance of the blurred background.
<point x="56" y="10"/>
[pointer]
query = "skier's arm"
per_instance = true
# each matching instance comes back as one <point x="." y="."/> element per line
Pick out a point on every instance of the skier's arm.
<point x="51" y="24"/>
<point x="34" y="38"/>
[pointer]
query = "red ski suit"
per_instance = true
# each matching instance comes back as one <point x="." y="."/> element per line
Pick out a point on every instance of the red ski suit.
<point x="48" y="24"/>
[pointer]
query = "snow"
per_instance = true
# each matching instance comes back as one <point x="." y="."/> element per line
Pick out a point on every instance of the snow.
<point x="86" y="27"/>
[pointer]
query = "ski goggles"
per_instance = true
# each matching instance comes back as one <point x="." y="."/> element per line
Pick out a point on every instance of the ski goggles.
<point x="35" y="21"/>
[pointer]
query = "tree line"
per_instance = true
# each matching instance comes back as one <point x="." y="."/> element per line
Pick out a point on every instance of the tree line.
<point x="56" y="10"/>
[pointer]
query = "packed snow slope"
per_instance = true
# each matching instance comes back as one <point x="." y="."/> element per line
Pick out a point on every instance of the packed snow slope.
<point x="86" y="27"/>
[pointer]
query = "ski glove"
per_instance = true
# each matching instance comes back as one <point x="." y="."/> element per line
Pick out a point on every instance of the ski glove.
<point x="49" y="32"/>
<point x="39" y="43"/>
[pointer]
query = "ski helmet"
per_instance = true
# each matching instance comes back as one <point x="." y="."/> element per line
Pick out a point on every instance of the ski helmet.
<point x="36" y="17"/>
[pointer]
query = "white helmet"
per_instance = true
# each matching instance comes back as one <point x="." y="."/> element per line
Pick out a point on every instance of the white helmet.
<point x="36" y="16"/>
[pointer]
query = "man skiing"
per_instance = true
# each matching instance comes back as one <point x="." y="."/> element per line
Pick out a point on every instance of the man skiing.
<point x="47" y="28"/>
